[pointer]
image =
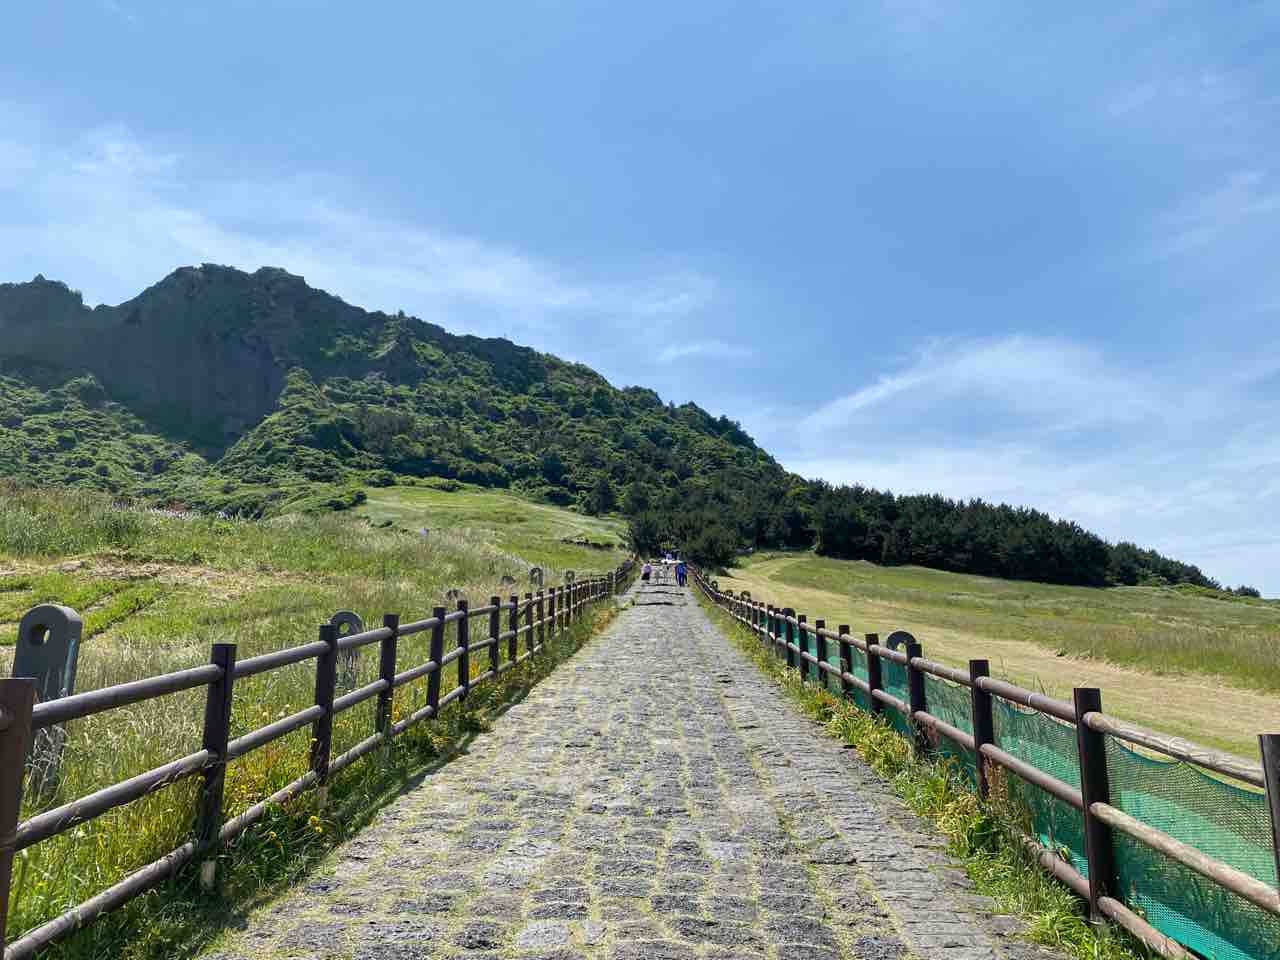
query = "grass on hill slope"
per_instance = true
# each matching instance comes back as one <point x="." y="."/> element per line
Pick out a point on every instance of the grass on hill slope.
<point x="532" y="532"/>
<point x="1187" y="661"/>
<point x="156" y="590"/>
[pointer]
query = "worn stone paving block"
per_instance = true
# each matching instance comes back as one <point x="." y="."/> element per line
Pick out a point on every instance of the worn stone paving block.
<point x="656" y="798"/>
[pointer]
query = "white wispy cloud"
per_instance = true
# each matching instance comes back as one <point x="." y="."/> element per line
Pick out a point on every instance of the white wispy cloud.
<point x="118" y="213"/>
<point x="718" y="349"/>
<point x="1246" y="200"/>
<point x="1182" y="459"/>
<point x="1057" y="383"/>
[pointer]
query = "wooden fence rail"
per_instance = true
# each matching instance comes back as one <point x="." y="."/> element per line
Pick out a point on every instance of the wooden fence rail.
<point x="547" y="615"/>
<point x="782" y="630"/>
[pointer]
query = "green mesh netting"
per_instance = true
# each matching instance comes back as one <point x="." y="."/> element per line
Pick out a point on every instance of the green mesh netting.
<point x="894" y="678"/>
<point x="1228" y="823"/>
<point x="1048" y="745"/>
<point x="952" y="704"/>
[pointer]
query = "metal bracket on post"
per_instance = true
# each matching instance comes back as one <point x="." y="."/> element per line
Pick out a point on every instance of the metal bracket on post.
<point x="1094" y="788"/>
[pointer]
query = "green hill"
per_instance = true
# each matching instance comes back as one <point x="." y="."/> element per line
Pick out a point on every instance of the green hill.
<point x="244" y="392"/>
<point x="254" y="394"/>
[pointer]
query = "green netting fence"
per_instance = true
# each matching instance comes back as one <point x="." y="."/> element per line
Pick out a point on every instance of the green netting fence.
<point x="1227" y="822"/>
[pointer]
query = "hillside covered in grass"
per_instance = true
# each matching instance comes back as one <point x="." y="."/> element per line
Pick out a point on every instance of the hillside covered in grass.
<point x="256" y="395"/>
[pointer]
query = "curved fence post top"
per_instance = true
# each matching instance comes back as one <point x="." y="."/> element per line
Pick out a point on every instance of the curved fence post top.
<point x="47" y="648"/>
<point x="349" y="619"/>
<point x="899" y="638"/>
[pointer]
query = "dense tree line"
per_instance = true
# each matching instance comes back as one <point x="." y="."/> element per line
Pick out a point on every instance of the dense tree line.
<point x="711" y="523"/>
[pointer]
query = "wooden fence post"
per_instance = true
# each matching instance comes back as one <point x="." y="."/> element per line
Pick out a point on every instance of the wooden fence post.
<point x="542" y="619"/>
<point x="787" y="635"/>
<point x="1269" y="744"/>
<point x="552" y="620"/>
<point x="464" y="654"/>
<point x="435" y="653"/>
<point x="802" y="641"/>
<point x="322" y="727"/>
<point x="917" y="699"/>
<point x="1094" y="788"/>
<point x="820" y="643"/>
<point x="528" y="622"/>
<point x="495" y="627"/>
<point x="875" y="677"/>
<point x="17" y="697"/>
<point x="846" y="661"/>
<point x="217" y="730"/>
<point x="513" y="628"/>
<point x="983" y="721"/>
<point x="771" y="630"/>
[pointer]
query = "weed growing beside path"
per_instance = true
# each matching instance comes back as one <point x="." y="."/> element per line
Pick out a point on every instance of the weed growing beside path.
<point x="983" y="836"/>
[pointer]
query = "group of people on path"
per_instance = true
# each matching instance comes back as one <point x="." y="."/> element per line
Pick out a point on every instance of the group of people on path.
<point x="682" y="571"/>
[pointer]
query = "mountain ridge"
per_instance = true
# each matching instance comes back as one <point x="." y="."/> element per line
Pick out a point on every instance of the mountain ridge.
<point x="268" y="379"/>
<point x="255" y="393"/>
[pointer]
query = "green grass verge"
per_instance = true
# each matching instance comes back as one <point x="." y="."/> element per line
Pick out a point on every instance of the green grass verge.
<point x="982" y="836"/>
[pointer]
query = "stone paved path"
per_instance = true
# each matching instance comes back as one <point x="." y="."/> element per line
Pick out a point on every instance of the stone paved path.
<point x="655" y="799"/>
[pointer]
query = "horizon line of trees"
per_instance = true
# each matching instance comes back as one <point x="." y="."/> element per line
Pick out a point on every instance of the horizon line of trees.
<point x="712" y="524"/>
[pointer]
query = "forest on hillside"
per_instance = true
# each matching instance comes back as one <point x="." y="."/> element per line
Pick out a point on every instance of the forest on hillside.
<point x="256" y="394"/>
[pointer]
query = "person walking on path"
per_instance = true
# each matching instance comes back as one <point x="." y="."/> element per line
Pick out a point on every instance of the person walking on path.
<point x="646" y="571"/>
<point x="682" y="573"/>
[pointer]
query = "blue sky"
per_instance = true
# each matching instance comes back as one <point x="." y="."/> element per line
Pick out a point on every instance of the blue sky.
<point x="1018" y="251"/>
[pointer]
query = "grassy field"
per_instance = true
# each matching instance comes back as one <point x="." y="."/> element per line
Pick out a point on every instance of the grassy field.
<point x="156" y="590"/>
<point x="1183" y="661"/>
<point x="527" y="533"/>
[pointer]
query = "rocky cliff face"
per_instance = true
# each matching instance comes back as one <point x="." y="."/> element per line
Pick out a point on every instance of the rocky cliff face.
<point x="215" y="378"/>
<point x="204" y="353"/>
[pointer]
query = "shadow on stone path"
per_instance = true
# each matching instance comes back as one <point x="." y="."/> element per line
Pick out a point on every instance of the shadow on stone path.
<point x="656" y="798"/>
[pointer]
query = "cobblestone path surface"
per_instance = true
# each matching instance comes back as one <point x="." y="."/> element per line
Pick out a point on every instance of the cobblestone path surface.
<point x="656" y="798"/>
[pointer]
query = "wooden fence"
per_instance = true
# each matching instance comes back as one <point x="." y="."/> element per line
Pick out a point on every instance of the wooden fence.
<point x="791" y="637"/>
<point x="537" y="618"/>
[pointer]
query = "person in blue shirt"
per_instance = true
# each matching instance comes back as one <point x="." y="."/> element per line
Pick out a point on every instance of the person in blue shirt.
<point x="681" y="572"/>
